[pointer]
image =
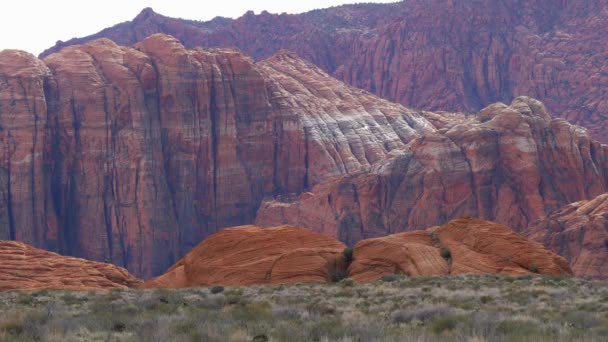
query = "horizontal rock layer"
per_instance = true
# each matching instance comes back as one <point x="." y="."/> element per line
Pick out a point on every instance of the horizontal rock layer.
<point x="579" y="232"/>
<point x="509" y="164"/>
<point x="27" y="268"/>
<point x="437" y="55"/>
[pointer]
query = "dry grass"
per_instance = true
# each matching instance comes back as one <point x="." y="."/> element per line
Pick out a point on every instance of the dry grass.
<point x="486" y="308"/>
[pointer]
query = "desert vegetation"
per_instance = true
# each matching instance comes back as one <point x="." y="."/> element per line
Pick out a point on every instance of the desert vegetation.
<point x="396" y="308"/>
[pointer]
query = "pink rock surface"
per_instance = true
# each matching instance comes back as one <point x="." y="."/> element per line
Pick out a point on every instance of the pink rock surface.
<point x="579" y="232"/>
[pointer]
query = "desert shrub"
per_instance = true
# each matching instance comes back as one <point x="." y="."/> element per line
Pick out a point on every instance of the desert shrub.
<point x="422" y="315"/>
<point x="486" y="299"/>
<point x="516" y="327"/>
<point x="533" y="268"/>
<point x="348" y="255"/>
<point x="25" y="298"/>
<point x="234" y="296"/>
<point x="251" y="312"/>
<point x="389" y="278"/>
<point x="13" y="326"/>
<point x="217" y="289"/>
<point x="446" y="254"/>
<point x="347" y="282"/>
<point x="321" y="308"/>
<point x="443" y="324"/>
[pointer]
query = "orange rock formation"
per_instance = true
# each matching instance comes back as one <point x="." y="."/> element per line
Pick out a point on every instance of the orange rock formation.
<point x="578" y="232"/>
<point x="251" y="255"/>
<point x="463" y="246"/>
<point x="23" y="267"/>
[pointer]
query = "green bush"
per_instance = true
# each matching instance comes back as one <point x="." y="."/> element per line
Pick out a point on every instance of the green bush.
<point x="217" y="289"/>
<point x="533" y="268"/>
<point x="446" y="254"/>
<point x="348" y="255"/>
<point x="444" y="324"/>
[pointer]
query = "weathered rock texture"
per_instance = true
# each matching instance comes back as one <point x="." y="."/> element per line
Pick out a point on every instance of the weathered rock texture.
<point x="134" y="155"/>
<point x="433" y="54"/>
<point x="463" y="246"/>
<point x="23" y="267"/>
<point x="578" y="232"/>
<point x="509" y="164"/>
<point x="252" y="255"/>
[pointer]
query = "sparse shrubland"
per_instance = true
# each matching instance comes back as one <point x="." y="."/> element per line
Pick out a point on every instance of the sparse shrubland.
<point x="398" y="308"/>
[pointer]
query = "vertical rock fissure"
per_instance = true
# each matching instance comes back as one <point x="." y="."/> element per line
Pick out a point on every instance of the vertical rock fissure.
<point x="9" y="200"/>
<point x="213" y="113"/>
<point x="107" y="178"/>
<point x="306" y="158"/>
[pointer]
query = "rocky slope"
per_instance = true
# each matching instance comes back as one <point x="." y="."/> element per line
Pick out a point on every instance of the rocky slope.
<point x="579" y="232"/>
<point x="509" y="164"/>
<point x="27" y="268"/>
<point x="438" y="55"/>
<point x="463" y="246"/>
<point x="134" y="155"/>
<point x="251" y="255"/>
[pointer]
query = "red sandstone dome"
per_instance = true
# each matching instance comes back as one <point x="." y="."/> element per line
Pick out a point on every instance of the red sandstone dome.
<point x="23" y="267"/>
<point x="463" y="246"/>
<point x="252" y="255"/>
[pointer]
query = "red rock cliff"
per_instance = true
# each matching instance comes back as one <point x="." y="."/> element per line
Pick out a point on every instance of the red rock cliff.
<point x="133" y="155"/>
<point x="509" y="164"/>
<point x="436" y="55"/>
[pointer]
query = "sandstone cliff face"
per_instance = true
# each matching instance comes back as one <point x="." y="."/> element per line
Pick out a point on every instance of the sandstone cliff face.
<point x="578" y="232"/>
<point x="512" y="165"/>
<point x="436" y="55"/>
<point x="463" y="246"/>
<point x="27" y="268"/>
<point x="134" y="155"/>
<point x="252" y="255"/>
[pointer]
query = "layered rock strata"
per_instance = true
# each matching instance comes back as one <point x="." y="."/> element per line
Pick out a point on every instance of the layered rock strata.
<point x="433" y="54"/>
<point x="578" y="232"/>
<point x="133" y="155"/>
<point x="24" y="267"/>
<point x="251" y="255"/>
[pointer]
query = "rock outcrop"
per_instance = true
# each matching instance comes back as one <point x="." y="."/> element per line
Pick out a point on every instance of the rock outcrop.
<point x="252" y="255"/>
<point x="578" y="232"/>
<point x="509" y="164"/>
<point x="23" y="267"/>
<point x="432" y="54"/>
<point x="463" y="246"/>
<point x="132" y="155"/>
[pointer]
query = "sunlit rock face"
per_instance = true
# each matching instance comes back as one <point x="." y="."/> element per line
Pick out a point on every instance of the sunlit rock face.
<point x="509" y="164"/>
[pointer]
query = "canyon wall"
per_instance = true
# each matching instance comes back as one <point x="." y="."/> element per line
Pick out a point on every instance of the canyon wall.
<point x="437" y="55"/>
